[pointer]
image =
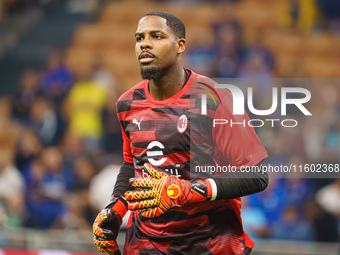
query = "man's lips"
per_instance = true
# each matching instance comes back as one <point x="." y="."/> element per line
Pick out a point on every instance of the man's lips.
<point x="146" y="57"/>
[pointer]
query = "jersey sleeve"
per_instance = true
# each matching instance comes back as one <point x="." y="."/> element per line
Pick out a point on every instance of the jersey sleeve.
<point x="126" y="147"/>
<point x="127" y="155"/>
<point x="235" y="139"/>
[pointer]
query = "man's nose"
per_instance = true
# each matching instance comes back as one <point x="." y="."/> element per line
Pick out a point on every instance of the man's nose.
<point x="146" y="44"/>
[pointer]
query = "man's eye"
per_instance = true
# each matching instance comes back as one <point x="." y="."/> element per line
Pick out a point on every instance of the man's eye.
<point x="138" y="39"/>
<point x="158" y="37"/>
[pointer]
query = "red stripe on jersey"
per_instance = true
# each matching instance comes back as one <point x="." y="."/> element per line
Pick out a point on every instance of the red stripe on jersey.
<point x="127" y="154"/>
<point x="140" y="136"/>
<point x="138" y="151"/>
<point x="177" y="158"/>
<point x="177" y="226"/>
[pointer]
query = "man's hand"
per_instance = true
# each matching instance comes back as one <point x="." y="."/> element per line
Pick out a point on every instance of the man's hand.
<point x="162" y="191"/>
<point x="107" y="224"/>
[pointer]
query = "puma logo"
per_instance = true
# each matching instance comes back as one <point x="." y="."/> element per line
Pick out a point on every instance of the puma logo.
<point x="136" y="122"/>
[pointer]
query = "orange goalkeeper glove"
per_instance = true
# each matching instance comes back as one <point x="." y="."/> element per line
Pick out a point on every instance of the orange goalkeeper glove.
<point x="107" y="224"/>
<point x="162" y="191"/>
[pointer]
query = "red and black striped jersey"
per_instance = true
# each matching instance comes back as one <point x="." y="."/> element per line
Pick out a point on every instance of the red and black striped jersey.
<point x="177" y="136"/>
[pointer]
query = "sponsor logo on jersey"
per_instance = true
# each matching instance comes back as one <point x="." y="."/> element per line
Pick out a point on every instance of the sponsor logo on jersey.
<point x="173" y="191"/>
<point x="152" y="153"/>
<point x="137" y="122"/>
<point x="182" y="123"/>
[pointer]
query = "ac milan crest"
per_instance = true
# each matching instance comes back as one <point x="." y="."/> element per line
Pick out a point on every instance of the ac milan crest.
<point x="182" y="123"/>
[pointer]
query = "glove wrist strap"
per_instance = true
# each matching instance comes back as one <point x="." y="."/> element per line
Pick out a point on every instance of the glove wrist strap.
<point x="213" y="194"/>
<point x="118" y="204"/>
<point x="203" y="189"/>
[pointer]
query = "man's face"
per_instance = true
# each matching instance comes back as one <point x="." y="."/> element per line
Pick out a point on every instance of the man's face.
<point x="157" y="46"/>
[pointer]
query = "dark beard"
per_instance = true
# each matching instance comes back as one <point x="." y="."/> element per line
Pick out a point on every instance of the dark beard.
<point x="150" y="73"/>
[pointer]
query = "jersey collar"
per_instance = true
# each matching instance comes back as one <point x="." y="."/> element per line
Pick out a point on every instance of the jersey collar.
<point x="170" y="99"/>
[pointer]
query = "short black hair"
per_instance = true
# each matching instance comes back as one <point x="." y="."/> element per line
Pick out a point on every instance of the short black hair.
<point x="172" y="21"/>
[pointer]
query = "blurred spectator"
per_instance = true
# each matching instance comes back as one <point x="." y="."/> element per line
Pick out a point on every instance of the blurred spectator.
<point x="9" y="129"/>
<point x="257" y="74"/>
<point x="331" y="11"/>
<point x="28" y="90"/>
<point x="112" y="141"/>
<point x="298" y="189"/>
<point x="102" y="76"/>
<point x="228" y="50"/>
<point x="313" y="134"/>
<point x="328" y="198"/>
<point x="103" y="183"/>
<point x="11" y="188"/>
<point x="201" y="59"/>
<point x="80" y="213"/>
<point x="28" y="148"/>
<point x="46" y="190"/>
<point x="254" y="220"/>
<point x="271" y="201"/>
<point x="291" y="226"/>
<point x="258" y="65"/>
<point x="300" y="14"/>
<point x="84" y="105"/>
<point x="46" y="122"/>
<point x="224" y="57"/>
<point x="71" y="146"/>
<point x="332" y="140"/>
<point x="325" y="224"/>
<point x="57" y="79"/>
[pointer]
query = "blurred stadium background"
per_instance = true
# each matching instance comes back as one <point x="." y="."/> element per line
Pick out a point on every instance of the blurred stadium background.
<point x="63" y="64"/>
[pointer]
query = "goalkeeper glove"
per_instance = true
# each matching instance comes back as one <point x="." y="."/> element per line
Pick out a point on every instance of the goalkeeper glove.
<point x="107" y="224"/>
<point x="162" y="191"/>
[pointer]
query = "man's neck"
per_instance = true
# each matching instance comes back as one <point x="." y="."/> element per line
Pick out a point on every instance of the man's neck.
<point x="168" y="84"/>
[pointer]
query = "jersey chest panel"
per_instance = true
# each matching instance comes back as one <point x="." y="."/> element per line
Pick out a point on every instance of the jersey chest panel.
<point x="160" y="135"/>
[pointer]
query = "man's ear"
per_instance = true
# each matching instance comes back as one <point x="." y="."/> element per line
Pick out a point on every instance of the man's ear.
<point x="180" y="45"/>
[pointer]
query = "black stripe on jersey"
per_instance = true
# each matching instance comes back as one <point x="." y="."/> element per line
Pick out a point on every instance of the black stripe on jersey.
<point x="170" y="147"/>
<point x="201" y="121"/>
<point x="139" y="94"/>
<point x="186" y="96"/>
<point x="124" y="125"/>
<point x="172" y="111"/>
<point x="139" y="161"/>
<point x="124" y="106"/>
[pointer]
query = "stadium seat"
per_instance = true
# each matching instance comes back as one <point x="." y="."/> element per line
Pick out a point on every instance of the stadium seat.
<point x="319" y="45"/>
<point x="113" y="36"/>
<point x="86" y="35"/>
<point x="199" y="36"/>
<point x="256" y="15"/>
<point x="284" y="42"/>
<point x="121" y="63"/>
<point x="101" y="36"/>
<point x="122" y="13"/>
<point x="78" y="58"/>
<point x="336" y="44"/>
<point x="322" y="67"/>
<point x="287" y="66"/>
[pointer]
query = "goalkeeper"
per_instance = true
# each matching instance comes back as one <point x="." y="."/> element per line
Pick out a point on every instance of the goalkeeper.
<point x="176" y="211"/>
